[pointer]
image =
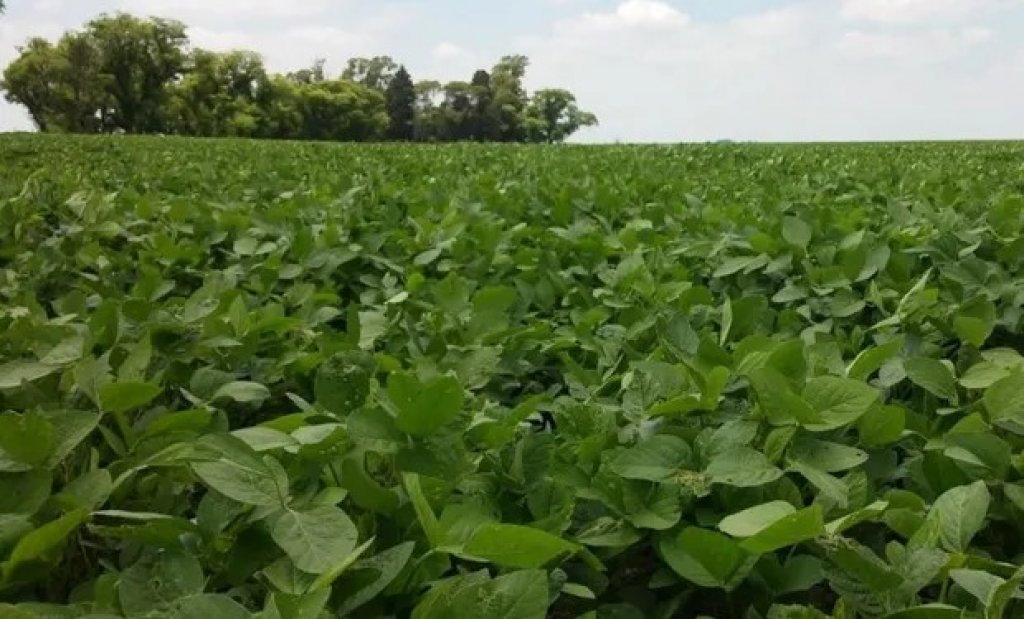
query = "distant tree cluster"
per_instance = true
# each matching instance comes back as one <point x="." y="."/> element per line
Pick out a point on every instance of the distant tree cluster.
<point x="122" y="73"/>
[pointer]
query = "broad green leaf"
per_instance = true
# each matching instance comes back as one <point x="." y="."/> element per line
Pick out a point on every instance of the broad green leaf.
<point x="849" y="521"/>
<point x="981" y="585"/>
<point x="343" y="381"/>
<point x="960" y="514"/>
<point x="975" y="321"/>
<point x="510" y="545"/>
<point x="316" y="540"/>
<point x="839" y="401"/>
<point x="796" y="232"/>
<point x="933" y="376"/>
<point x="44" y="544"/>
<point x="826" y="456"/>
<point x="754" y="519"/>
<point x="241" y="391"/>
<point x="25" y="492"/>
<point x="706" y="558"/>
<point x="518" y="595"/>
<point x="241" y="474"/>
<point x="14" y="373"/>
<point x="826" y="484"/>
<point x="123" y="397"/>
<point x="659" y="458"/>
<point x="27" y="439"/>
<point x="424" y="408"/>
<point x="983" y="375"/>
<point x="778" y="401"/>
<point x="872" y="359"/>
<point x="882" y="425"/>
<point x="789" y="530"/>
<point x="159" y="582"/>
<point x="1004" y="402"/>
<point x="742" y="467"/>
<point x="368" y="577"/>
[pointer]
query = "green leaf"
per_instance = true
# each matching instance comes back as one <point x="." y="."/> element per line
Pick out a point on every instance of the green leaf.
<point x="239" y="473"/>
<point x="796" y="232"/>
<point x="316" y="540"/>
<point x="778" y="401"/>
<point x="706" y="558"/>
<point x="839" y="401"/>
<point x="960" y="513"/>
<point x="934" y="376"/>
<point x="343" y="381"/>
<point x="882" y="425"/>
<point x="826" y="484"/>
<point x="742" y="467"/>
<point x="871" y="360"/>
<point x="519" y="595"/>
<point x="789" y="530"/>
<point x="44" y="544"/>
<point x="159" y="582"/>
<point x="826" y="456"/>
<point x="510" y="545"/>
<point x="983" y="375"/>
<point x="424" y="408"/>
<point x="981" y="585"/>
<point x="431" y="527"/>
<point x="25" y="492"/>
<point x="369" y="577"/>
<point x="14" y="373"/>
<point x="27" y="439"/>
<point x="243" y="392"/>
<point x="975" y="321"/>
<point x="123" y="397"/>
<point x="659" y="458"/>
<point x="754" y="519"/>
<point x="1004" y="402"/>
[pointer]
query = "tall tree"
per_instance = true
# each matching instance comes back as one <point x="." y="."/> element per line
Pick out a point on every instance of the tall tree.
<point x="33" y="80"/>
<point x="510" y="98"/>
<point x="59" y="84"/>
<point x="553" y="116"/>
<point x="140" y="58"/>
<point x="486" y="122"/>
<point x="400" y="97"/>
<point x="375" y="73"/>
<point x="315" y="73"/>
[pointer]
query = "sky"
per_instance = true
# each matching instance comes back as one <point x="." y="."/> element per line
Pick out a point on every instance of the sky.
<point x="652" y="70"/>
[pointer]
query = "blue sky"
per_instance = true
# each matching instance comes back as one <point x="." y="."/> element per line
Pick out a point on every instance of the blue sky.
<point x="652" y="70"/>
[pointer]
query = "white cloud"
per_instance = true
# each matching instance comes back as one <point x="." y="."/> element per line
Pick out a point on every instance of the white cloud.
<point x="632" y="14"/>
<point x="195" y="10"/>
<point x="792" y="73"/>
<point x="447" y="50"/>
<point x="930" y="46"/>
<point x="911" y="11"/>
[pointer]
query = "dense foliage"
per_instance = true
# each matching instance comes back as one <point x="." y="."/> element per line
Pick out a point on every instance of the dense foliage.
<point x="122" y="73"/>
<point x="254" y="379"/>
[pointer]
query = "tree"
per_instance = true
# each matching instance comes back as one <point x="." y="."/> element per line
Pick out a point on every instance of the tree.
<point x="312" y="75"/>
<point x="510" y="98"/>
<point x="59" y="84"/>
<point x="220" y="95"/>
<point x="341" y="110"/>
<point x="140" y="58"/>
<point x="486" y="121"/>
<point x="553" y="115"/>
<point x="400" y="98"/>
<point x="375" y="73"/>
<point x="33" y="79"/>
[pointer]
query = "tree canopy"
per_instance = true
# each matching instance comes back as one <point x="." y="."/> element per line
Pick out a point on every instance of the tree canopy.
<point x="124" y="73"/>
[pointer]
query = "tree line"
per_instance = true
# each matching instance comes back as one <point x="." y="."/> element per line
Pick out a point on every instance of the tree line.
<point x="122" y="73"/>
